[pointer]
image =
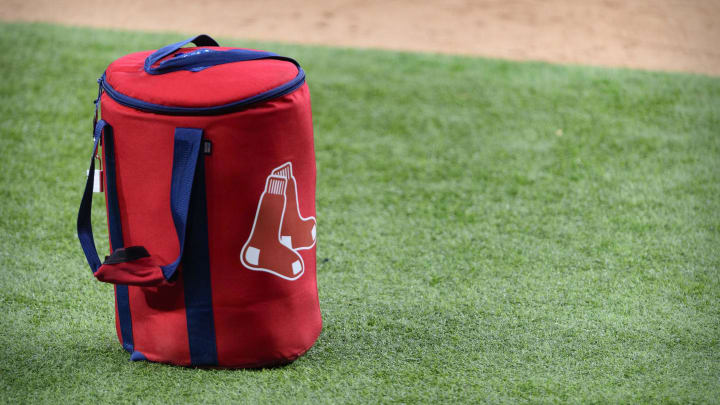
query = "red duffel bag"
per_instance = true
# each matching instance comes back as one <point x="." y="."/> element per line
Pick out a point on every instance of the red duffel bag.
<point x="208" y="168"/>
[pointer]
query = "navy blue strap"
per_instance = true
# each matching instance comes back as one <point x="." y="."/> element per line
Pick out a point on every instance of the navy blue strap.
<point x="185" y="157"/>
<point x="200" y="40"/>
<point x="201" y="58"/>
<point x="84" y="225"/>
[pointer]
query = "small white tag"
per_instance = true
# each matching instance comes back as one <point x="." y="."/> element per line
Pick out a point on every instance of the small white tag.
<point x="97" y="181"/>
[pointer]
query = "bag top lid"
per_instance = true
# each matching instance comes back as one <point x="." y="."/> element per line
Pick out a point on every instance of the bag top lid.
<point x="207" y="79"/>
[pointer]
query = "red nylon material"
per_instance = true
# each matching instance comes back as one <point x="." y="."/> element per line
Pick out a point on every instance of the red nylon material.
<point x="260" y="318"/>
<point x="143" y="272"/>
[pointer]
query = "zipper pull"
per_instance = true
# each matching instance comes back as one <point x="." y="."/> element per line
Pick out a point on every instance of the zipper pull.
<point x="97" y="103"/>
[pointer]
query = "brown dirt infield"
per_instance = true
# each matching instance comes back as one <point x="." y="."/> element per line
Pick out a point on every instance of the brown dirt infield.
<point x="648" y="34"/>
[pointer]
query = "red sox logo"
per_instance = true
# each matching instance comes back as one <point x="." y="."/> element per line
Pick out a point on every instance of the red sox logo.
<point x="279" y="231"/>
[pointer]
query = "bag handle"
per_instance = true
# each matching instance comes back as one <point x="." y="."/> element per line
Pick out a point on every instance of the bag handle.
<point x="199" y="40"/>
<point x="185" y="156"/>
<point x="201" y="58"/>
<point x="134" y="265"/>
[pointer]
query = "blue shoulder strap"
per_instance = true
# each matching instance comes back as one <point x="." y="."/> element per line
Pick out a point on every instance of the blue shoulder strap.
<point x="84" y="224"/>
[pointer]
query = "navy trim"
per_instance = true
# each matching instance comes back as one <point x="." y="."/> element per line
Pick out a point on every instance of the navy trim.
<point x="115" y="227"/>
<point x="137" y="356"/>
<point x="122" y="298"/>
<point x="122" y="293"/>
<point x="84" y="225"/>
<point x="185" y="156"/>
<point x="196" y="278"/>
<point x="141" y="105"/>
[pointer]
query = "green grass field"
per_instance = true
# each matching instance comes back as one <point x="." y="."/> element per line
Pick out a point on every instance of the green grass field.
<point x="489" y="231"/>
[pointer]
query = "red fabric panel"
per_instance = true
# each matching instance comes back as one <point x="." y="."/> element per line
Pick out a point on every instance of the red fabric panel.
<point x="144" y="153"/>
<point x="143" y="272"/>
<point x="258" y="316"/>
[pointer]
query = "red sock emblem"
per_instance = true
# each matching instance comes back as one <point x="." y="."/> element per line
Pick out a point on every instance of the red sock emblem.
<point x="279" y="230"/>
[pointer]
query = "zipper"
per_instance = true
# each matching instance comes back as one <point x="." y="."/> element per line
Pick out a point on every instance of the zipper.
<point x="97" y="104"/>
<point x="138" y="104"/>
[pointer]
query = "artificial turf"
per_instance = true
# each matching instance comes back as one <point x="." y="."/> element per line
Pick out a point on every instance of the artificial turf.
<point x="489" y="231"/>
